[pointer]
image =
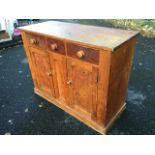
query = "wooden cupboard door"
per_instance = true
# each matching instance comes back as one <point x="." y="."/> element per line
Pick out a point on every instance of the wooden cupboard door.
<point x="82" y="83"/>
<point x="43" y="71"/>
<point x="59" y="66"/>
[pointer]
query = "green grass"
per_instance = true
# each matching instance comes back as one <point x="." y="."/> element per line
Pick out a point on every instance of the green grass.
<point x="145" y="26"/>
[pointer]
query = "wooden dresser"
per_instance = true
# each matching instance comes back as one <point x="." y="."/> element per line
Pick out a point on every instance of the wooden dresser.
<point x="83" y="70"/>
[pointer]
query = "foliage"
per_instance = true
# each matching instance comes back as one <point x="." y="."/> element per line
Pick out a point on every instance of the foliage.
<point x="145" y="26"/>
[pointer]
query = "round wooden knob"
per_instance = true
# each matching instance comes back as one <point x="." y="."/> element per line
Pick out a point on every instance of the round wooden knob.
<point x="49" y="73"/>
<point x="33" y="41"/>
<point x="80" y="54"/>
<point x="69" y="82"/>
<point x="54" y="46"/>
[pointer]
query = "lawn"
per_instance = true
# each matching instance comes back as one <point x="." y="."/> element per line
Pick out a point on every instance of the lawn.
<point x="145" y="26"/>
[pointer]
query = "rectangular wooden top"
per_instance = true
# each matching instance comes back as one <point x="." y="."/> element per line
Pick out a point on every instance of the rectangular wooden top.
<point x="109" y="38"/>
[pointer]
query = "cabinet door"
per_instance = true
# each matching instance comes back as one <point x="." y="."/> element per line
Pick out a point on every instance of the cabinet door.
<point x="43" y="71"/>
<point x="59" y="66"/>
<point x="82" y="83"/>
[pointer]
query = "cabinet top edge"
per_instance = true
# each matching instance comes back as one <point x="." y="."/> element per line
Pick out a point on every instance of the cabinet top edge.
<point x="100" y="37"/>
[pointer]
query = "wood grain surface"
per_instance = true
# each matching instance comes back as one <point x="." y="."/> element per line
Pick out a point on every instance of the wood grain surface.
<point x="98" y="36"/>
<point x="89" y="82"/>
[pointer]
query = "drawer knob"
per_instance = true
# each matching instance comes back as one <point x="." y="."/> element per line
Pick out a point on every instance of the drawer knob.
<point x="49" y="74"/>
<point x="33" y="41"/>
<point x="69" y="82"/>
<point x="54" y="46"/>
<point x="80" y="54"/>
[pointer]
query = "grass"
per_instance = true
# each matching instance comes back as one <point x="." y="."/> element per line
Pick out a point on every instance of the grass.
<point x="145" y="26"/>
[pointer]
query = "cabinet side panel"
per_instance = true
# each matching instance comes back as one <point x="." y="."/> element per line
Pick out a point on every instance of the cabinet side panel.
<point x="103" y="81"/>
<point x="121" y="61"/>
<point x="25" y="44"/>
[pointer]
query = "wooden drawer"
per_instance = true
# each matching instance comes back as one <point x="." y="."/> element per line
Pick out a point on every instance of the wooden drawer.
<point x="55" y="45"/>
<point x="36" y="41"/>
<point x="83" y="53"/>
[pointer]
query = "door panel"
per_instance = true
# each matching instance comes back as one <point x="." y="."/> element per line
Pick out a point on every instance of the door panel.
<point x="43" y="70"/>
<point x="82" y="82"/>
<point x="59" y="65"/>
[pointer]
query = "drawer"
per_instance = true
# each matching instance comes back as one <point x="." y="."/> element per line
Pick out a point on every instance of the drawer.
<point x="83" y="53"/>
<point x="55" y="45"/>
<point x="36" y="41"/>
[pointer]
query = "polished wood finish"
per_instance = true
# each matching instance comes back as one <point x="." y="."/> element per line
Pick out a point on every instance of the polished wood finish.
<point x="107" y="38"/>
<point x="59" y="63"/>
<point x="80" y="54"/>
<point x="119" y="77"/>
<point x="36" y="41"/>
<point x="56" y="46"/>
<point x="28" y="54"/>
<point x="33" y="41"/>
<point x="43" y="70"/>
<point x="82" y="85"/>
<point x="83" y="53"/>
<point x="103" y="82"/>
<point x="80" y="72"/>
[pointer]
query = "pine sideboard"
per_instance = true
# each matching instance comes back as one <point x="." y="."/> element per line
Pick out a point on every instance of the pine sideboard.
<point x="82" y="69"/>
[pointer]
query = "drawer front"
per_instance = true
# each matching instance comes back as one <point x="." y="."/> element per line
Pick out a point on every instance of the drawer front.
<point x="36" y="41"/>
<point x="55" y="45"/>
<point x="82" y="53"/>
